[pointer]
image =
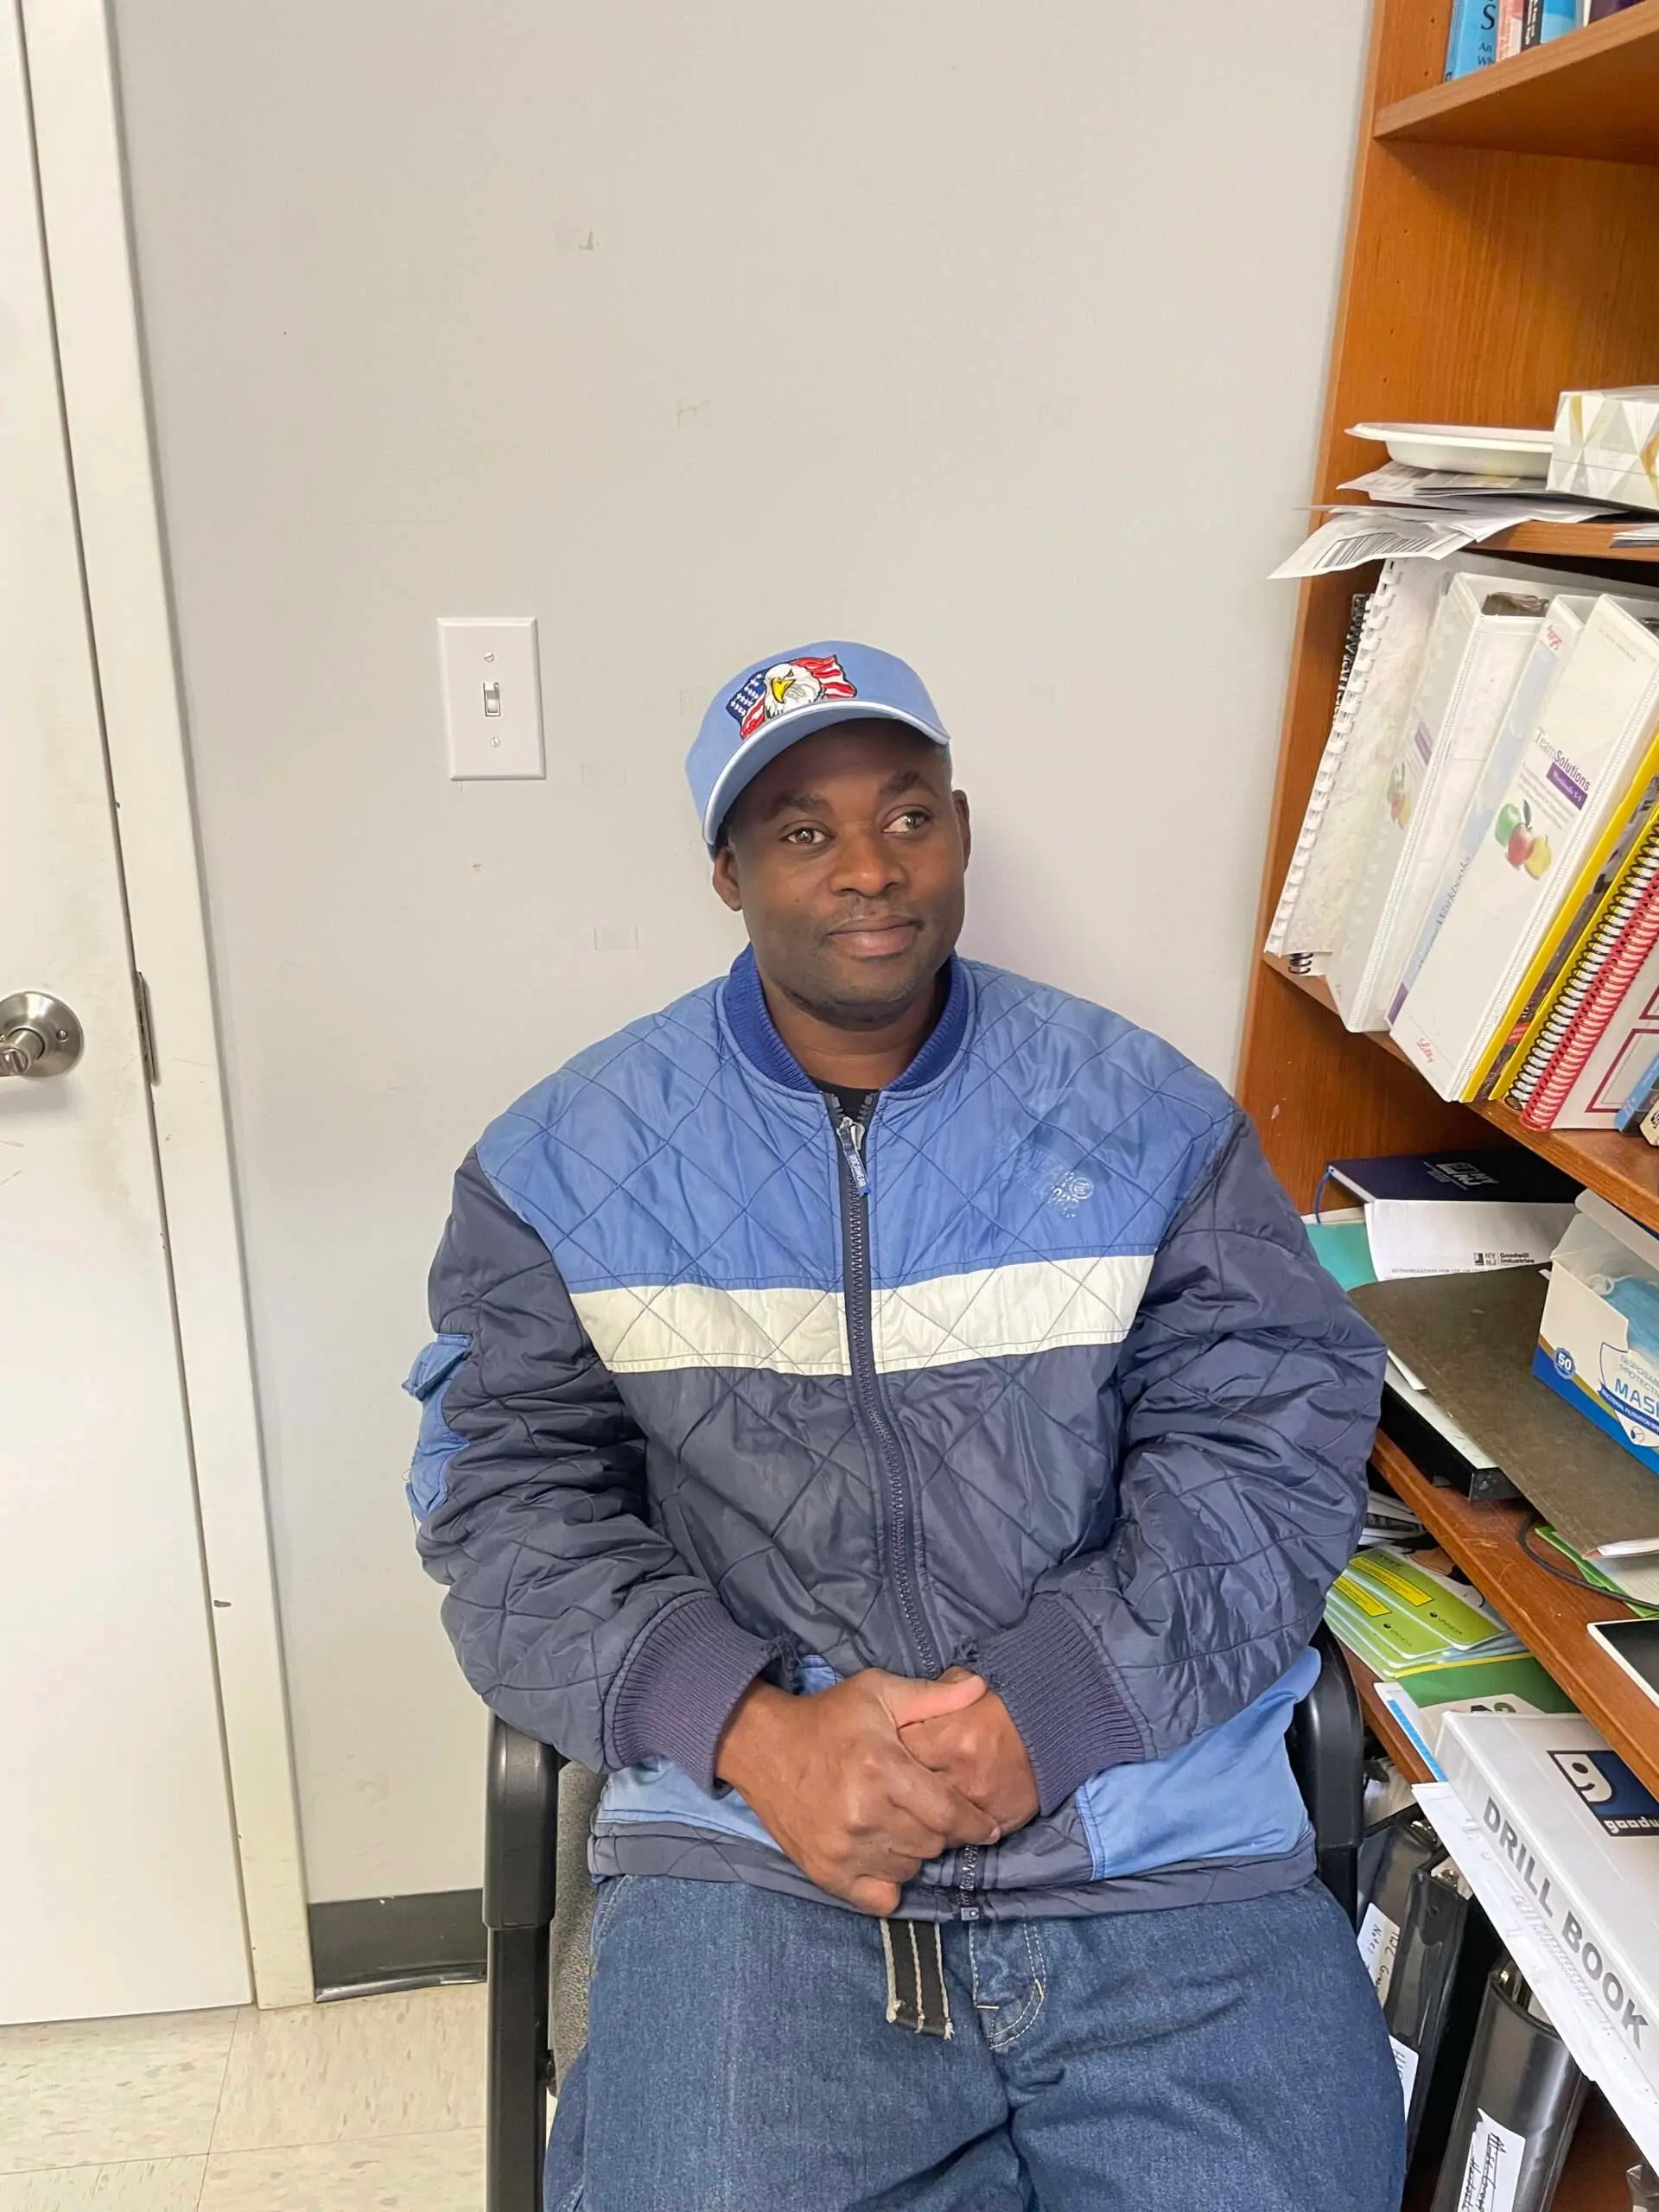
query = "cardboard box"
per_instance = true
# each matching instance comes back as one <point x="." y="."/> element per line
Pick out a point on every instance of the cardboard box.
<point x="1577" y="1829"/>
<point x="1607" y="445"/>
<point x="1599" y="1336"/>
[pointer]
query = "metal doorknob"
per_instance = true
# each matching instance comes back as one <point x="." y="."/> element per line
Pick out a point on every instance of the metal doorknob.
<point x="39" y="1035"/>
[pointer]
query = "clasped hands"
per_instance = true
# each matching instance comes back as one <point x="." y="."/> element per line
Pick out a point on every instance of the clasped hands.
<point x="862" y="1784"/>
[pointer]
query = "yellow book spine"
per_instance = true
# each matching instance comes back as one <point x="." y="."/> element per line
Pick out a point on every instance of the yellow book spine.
<point x="1571" y="919"/>
<point x="1549" y="998"/>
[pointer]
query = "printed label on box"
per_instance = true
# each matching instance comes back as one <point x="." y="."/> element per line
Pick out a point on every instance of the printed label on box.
<point x="1630" y="1384"/>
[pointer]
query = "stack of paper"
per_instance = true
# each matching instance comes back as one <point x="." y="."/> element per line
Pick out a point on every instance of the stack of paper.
<point x="1425" y="513"/>
<point x="1397" y="484"/>
<point x="1353" y="535"/>
<point x="1389" y="1520"/>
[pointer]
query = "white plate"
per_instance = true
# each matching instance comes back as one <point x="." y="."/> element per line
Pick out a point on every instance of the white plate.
<point x="1461" y="445"/>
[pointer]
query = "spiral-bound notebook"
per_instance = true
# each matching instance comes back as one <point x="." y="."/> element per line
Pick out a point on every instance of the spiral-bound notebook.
<point x="1370" y="708"/>
<point x="1589" y="988"/>
<point x="1613" y="1037"/>
<point x="1595" y="984"/>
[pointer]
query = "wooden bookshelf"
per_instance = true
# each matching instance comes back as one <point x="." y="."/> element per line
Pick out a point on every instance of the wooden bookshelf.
<point x="1624" y="1169"/>
<point x="1592" y="95"/>
<point x="1479" y="281"/>
<point x="1551" y="1616"/>
<point x="1499" y="250"/>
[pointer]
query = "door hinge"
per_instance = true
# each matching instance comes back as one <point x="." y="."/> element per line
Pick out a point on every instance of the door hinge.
<point x="146" y="1025"/>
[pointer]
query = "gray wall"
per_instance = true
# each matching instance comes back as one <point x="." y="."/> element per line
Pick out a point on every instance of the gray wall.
<point x="992" y="335"/>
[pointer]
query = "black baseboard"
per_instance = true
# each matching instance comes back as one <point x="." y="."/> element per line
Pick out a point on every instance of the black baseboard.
<point x="360" y="1945"/>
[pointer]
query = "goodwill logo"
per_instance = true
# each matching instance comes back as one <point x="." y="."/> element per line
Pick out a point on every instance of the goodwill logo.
<point x="1630" y="1387"/>
<point x="1610" y="1791"/>
<point x="786" y="688"/>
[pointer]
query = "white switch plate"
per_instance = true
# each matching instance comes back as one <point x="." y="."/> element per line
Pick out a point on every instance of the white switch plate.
<point x="492" y="699"/>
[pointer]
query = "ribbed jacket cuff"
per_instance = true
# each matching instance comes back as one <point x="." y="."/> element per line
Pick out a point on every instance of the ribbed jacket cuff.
<point x="1048" y="1673"/>
<point x="683" y="1678"/>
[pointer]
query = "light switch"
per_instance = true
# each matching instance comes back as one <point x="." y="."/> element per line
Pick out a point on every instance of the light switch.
<point x="492" y="699"/>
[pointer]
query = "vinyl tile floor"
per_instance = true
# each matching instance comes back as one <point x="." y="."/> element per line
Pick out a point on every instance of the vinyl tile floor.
<point x="373" y="2104"/>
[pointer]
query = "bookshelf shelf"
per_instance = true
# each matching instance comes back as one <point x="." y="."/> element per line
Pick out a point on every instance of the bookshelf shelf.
<point x="1572" y="541"/>
<point x="1624" y="1169"/>
<point x="1551" y="1616"/>
<point x="1591" y="96"/>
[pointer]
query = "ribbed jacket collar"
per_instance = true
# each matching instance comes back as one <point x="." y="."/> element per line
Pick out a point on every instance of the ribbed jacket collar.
<point x="758" y="1039"/>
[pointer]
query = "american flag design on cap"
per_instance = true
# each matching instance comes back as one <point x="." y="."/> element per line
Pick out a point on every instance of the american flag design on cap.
<point x="784" y="688"/>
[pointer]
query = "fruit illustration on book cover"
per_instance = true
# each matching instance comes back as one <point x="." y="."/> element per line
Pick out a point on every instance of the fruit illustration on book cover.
<point x="1522" y="848"/>
<point x="1399" y="797"/>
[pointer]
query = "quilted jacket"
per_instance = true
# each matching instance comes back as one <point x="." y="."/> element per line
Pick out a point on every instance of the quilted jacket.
<point x="1033" y="1370"/>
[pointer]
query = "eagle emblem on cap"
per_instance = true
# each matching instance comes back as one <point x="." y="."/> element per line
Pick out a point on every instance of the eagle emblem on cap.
<point x="786" y="688"/>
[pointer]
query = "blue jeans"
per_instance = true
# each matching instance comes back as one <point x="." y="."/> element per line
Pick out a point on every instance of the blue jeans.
<point x="740" y="2059"/>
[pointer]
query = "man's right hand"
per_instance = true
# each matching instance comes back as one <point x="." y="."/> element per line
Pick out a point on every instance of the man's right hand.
<point x="837" y="1790"/>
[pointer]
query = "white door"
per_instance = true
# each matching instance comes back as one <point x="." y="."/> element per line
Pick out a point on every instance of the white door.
<point x="119" y="1881"/>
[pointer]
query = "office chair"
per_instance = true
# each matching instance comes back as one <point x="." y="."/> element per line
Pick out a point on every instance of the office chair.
<point x="1326" y="1745"/>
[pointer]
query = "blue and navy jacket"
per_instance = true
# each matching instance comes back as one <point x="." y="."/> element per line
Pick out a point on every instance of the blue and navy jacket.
<point x="1035" y="1371"/>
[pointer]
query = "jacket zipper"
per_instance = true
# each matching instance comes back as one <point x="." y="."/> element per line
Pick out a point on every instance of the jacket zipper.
<point x="898" y="1497"/>
<point x="962" y="1868"/>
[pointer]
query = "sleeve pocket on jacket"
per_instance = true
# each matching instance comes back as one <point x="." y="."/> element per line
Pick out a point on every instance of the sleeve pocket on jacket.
<point x="437" y="1442"/>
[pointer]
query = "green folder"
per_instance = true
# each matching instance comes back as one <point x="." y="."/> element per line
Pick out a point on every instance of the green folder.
<point x="1421" y="1697"/>
<point x="1395" y="1614"/>
<point x="1343" y="1250"/>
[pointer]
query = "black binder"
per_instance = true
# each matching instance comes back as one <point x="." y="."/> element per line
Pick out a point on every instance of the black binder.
<point x="1446" y="1951"/>
<point x="1519" y="2105"/>
<point x="1392" y="1855"/>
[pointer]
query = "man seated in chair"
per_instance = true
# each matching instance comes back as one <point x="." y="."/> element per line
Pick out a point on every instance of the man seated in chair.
<point x="887" y="1415"/>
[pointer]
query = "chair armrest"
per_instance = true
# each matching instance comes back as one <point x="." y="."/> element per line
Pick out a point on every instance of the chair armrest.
<point x="1326" y="1742"/>
<point x="521" y="1822"/>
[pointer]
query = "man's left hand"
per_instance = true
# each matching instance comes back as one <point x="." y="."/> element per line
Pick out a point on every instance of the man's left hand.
<point x="981" y="1752"/>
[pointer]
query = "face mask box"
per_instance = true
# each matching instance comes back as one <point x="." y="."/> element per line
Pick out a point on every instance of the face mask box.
<point x="1598" y="1340"/>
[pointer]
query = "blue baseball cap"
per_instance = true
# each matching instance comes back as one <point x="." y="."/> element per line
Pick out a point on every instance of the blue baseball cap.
<point x="775" y="702"/>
